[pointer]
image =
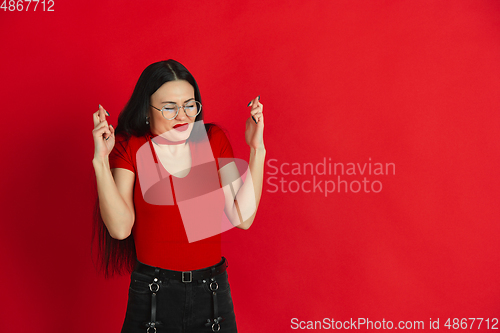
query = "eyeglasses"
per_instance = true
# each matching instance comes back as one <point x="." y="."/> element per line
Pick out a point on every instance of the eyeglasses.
<point x="170" y="110"/>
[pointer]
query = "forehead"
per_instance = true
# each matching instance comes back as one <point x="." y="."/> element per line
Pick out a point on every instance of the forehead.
<point x="174" y="91"/>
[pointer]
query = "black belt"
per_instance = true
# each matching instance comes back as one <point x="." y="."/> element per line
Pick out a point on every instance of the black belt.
<point x="183" y="276"/>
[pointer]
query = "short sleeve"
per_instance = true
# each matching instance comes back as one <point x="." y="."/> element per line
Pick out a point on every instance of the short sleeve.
<point x="221" y="147"/>
<point x="121" y="156"/>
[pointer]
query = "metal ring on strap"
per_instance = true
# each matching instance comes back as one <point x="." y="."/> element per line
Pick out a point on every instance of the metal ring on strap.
<point x="214" y="288"/>
<point x="155" y="285"/>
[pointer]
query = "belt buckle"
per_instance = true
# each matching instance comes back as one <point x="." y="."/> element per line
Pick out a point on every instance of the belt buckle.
<point x="190" y="277"/>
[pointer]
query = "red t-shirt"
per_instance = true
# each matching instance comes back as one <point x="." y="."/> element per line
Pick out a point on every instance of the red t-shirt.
<point x="158" y="231"/>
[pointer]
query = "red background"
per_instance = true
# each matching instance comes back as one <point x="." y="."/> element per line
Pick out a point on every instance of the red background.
<point x="410" y="83"/>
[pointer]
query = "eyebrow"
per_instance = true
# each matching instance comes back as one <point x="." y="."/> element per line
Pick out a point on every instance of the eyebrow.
<point x="176" y="103"/>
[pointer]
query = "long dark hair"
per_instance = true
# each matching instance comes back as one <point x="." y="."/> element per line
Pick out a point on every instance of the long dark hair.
<point x="119" y="256"/>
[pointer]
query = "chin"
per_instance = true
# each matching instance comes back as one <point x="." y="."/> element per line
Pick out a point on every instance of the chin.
<point x="174" y="135"/>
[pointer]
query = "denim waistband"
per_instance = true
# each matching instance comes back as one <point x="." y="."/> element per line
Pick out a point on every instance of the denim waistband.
<point x="183" y="276"/>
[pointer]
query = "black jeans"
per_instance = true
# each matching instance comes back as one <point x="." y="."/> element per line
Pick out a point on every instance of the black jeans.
<point x="180" y="307"/>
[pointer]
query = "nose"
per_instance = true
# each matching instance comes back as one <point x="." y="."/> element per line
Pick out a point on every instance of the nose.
<point x="181" y="115"/>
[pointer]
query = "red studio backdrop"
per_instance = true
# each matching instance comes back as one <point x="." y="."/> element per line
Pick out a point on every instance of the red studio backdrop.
<point x="380" y="202"/>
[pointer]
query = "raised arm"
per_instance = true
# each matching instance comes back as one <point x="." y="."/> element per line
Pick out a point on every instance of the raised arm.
<point x="114" y="189"/>
<point x="242" y="201"/>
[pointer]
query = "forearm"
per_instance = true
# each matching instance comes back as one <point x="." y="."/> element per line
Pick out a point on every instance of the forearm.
<point x="252" y="186"/>
<point x="114" y="211"/>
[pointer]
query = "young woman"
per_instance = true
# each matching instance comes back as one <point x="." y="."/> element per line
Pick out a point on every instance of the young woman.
<point x="167" y="187"/>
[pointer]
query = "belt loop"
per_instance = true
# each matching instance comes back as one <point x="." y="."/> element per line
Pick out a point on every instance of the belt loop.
<point x="190" y="279"/>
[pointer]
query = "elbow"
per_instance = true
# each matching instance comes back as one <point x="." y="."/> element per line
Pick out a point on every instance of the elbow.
<point x="245" y="225"/>
<point x="242" y="227"/>
<point x="121" y="232"/>
<point x="120" y="235"/>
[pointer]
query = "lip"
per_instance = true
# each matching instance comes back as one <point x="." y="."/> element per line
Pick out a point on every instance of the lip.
<point x="181" y="127"/>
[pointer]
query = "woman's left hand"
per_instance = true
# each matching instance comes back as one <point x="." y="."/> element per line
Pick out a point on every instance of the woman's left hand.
<point x="254" y="132"/>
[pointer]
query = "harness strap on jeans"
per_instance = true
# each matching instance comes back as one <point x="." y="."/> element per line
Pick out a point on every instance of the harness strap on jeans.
<point x="154" y="287"/>
<point x="213" y="286"/>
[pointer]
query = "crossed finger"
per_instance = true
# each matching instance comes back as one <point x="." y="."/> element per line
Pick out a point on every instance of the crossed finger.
<point x="257" y="109"/>
<point x="100" y="115"/>
<point x="99" y="118"/>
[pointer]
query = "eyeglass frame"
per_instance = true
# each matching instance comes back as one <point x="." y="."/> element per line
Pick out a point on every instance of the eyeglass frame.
<point x="178" y="108"/>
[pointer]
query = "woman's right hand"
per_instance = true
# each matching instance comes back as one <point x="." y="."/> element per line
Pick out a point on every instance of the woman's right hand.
<point x="104" y="135"/>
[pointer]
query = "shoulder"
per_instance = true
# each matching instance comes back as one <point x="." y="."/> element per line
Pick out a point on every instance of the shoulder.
<point x="219" y="142"/>
<point x="215" y="132"/>
<point x="128" y="143"/>
<point x="125" y="139"/>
